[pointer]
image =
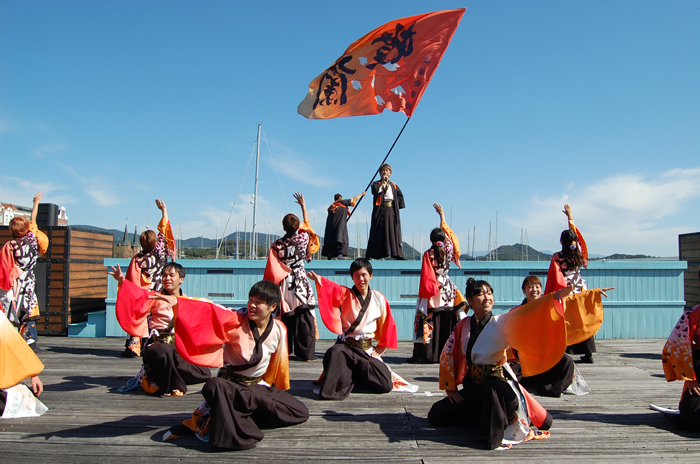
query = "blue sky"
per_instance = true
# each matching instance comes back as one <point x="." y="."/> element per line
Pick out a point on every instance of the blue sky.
<point x="105" y="106"/>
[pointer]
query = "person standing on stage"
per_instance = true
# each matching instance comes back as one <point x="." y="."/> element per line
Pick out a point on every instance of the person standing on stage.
<point x="17" y="280"/>
<point x="565" y="270"/>
<point x="335" y="239"/>
<point x="385" y="233"/>
<point x="286" y="268"/>
<point x="146" y="268"/>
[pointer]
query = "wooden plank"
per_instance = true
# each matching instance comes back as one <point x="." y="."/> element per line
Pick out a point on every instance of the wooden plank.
<point x="98" y="275"/>
<point x="91" y="242"/>
<point x="86" y="255"/>
<point x="88" y="292"/>
<point x="87" y="416"/>
<point x="86" y="267"/>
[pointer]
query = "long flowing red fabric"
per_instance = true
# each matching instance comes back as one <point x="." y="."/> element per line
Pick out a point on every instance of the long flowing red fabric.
<point x="389" y="68"/>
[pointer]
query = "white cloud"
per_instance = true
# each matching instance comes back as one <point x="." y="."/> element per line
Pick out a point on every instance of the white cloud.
<point x="48" y="148"/>
<point x="21" y="191"/>
<point x="623" y="213"/>
<point x="296" y="166"/>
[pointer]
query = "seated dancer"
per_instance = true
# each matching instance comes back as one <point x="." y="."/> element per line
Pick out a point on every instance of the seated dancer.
<point x="335" y="238"/>
<point x="358" y="315"/>
<point x="440" y="305"/>
<point x="285" y="267"/>
<point x="17" y="280"/>
<point x="146" y="268"/>
<point x="565" y="270"/>
<point x="250" y="348"/>
<point x="17" y="362"/>
<point x="681" y="361"/>
<point x="163" y="371"/>
<point x="554" y="381"/>
<point x="385" y="231"/>
<point x="475" y="356"/>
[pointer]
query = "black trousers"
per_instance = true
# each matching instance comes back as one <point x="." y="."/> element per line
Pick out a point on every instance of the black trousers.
<point x="385" y="236"/>
<point x="301" y="332"/>
<point x="585" y="347"/>
<point x="344" y="366"/>
<point x="238" y="409"/>
<point x="169" y="371"/>
<point x="443" y="324"/>
<point x="554" y="381"/>
<point x="690" y="411"/>
<point x="490" y="405"/>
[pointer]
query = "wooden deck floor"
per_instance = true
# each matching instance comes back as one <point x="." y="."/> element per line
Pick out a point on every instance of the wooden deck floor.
<point x="89" y="421"/>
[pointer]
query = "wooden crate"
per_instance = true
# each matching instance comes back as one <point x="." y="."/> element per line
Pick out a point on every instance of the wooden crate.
<point x="689" y="250"/>
<point x="70" y="277"/>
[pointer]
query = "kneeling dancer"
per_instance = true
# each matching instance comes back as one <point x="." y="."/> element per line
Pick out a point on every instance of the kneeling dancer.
<point x="358" y="315"/>
<point x="250" y="347"/>
<point x="475" y="356"/>
<point x="164" y="372"/>
<point x="18" y="362"/>
<point x="681" y="361"/>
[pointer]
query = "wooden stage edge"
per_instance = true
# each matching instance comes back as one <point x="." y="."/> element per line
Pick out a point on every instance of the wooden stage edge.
<point x="90" y="421"/>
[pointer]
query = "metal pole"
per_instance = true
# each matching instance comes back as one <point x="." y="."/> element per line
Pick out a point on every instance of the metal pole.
<point x="380" y="165"/>
<point x="254" y="241"/>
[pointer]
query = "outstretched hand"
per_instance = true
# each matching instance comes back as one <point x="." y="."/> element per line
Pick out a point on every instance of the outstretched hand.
<point x="37" y="385"/>
<point x="299" y="198"/>
<point x="439" y="209"/>
<point x="567" y="211"/>
<point x="38" y="197"/>
<point x="603" y="290"/>
<point x="313" y="276"/>
<point x="563" y="292"/>
<point x="160" y="204"/>
<point x="117" y="274"/>
<point x="170" y="299"/>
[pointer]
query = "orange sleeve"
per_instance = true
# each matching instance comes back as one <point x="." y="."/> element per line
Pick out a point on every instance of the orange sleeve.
<point x="277" y="372"/>
<point x="314" y="241"/>
<point x="455" y="242"/>
<point x="330" y="297"/>
<point x="386" y="329"/>
<point x="537" y="331"/>
<point x="167" y="231"/>
<point x="584" y="315"/>
<point x="17" y="360"/>
<point x="41" y="238"/>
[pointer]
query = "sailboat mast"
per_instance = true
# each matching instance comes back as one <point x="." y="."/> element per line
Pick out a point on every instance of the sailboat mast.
<point x="254" y="240"/>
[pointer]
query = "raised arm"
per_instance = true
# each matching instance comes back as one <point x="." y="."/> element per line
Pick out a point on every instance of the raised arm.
<point x="299" y="198"/>
<point x="357" y="197"/>
<point x="161" y="206"/>
<point x="440" y="211"/>
<point x="569" y="216"/>
<point x="35" y="207"/>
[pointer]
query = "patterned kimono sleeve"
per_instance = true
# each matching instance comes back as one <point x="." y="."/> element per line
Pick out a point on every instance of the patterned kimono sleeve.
<point x="41" y="238"/>
<point x="313" y="243"/>
<point x="165" y="233"/>
<point x="448" y="375"/>
<point x="454" y="241"/>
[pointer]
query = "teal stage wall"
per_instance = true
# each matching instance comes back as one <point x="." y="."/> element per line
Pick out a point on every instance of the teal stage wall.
<point x="646" y="304"/>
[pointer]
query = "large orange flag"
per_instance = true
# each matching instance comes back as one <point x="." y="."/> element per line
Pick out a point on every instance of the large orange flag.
<point x="389" y="68"/>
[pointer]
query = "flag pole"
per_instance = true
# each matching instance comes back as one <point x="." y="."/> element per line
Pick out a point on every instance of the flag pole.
<point x="380" y="165"/>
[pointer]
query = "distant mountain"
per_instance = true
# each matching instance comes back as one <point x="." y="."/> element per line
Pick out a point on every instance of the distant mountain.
<point x="517" y="252"/>
<point x="514" y="252"/>
<point x="623" y="256"/>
